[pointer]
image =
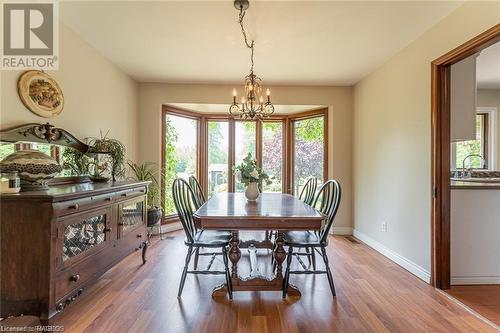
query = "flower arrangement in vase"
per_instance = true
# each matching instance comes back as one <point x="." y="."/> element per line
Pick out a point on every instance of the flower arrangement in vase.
<point x="250" y="175"/>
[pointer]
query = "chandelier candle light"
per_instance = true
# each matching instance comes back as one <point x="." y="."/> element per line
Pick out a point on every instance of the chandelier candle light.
<point x="252" y="103"/>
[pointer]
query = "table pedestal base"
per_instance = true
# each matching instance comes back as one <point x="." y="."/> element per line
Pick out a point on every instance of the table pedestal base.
<point x="259" y="283"/>
<point x="256" y="282"/>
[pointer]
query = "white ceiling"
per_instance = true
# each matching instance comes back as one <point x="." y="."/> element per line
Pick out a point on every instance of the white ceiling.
<point x="297" y="42"/>
<point x="488" y="68"/>
<point x="223" y="108"/>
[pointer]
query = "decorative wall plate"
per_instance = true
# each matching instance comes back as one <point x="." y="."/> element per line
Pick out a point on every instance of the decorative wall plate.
<point x="40" y="93"/>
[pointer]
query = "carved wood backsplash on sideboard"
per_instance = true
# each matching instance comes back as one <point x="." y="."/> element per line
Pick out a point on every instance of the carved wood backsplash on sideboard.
<point x="42" y="133"/>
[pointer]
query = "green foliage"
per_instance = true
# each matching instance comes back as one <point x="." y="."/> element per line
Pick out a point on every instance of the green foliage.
<point x="169" y="172"/>
<point x="44" y="148"/>
<point x="466" y="148"/>
<point x="147" y="172"/>
<point x="5" y="150"/>
<point x="76" y="162"/>
<point x="248" y="172"/>
<point x="215" y="138"/>
<point x="308" y="151"/>
<point x="115" y="154"/>
<point x="310" y="130"/>
<point x="272" y="154"/>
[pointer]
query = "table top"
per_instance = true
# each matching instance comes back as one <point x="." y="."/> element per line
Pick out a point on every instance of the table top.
<point x="271" y="210"/>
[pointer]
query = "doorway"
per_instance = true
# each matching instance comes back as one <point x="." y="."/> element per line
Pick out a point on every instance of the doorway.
<point x="441" y="161"/>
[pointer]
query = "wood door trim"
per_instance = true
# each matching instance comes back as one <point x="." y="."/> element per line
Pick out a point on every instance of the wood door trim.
<point x="440" y="152"/>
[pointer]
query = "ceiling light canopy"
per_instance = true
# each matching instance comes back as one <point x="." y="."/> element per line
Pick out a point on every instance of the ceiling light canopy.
<point x="253" y="105"/>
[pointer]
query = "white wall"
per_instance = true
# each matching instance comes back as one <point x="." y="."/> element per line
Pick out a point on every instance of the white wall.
<point x="339" y="100"/>
<point x="392" y="138"/>
<point x="97" y="95"/>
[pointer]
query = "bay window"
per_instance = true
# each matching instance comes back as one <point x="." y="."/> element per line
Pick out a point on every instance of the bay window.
<point x="290" y="148"/>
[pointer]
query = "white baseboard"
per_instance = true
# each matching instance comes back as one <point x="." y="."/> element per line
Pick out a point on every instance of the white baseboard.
<point x="342" y="231"/>
<point x="464" y="280"/>
<point x="409" y="265"/>
<point x="167" y="228"/>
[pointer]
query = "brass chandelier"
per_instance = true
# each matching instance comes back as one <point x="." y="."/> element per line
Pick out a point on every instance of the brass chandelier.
<point x="253" y="105"/>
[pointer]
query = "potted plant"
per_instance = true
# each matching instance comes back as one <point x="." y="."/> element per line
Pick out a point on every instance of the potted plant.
<point x="147" y="172"/>
<point x="252" y="176"/>
<point x="113" y="155"/>
<point x="77" y="162"/>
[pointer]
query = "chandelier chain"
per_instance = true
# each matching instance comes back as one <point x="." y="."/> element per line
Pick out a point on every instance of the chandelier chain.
<point x="249" y="45"/>
<point x="253" y="106"/>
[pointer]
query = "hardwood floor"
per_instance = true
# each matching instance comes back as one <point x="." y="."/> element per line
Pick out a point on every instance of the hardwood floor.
<point x="484" y="299"/>
<point x="373" y="295"/>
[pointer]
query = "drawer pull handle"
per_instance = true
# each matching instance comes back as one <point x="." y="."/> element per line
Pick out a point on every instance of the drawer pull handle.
<point x="124" y="194"/>
<point x="107" y="229"/>
<point x="75" y="206"/>
<point x="109" y="199"/>
<point x="75" y="277"/>
<point x="139" y="236"/>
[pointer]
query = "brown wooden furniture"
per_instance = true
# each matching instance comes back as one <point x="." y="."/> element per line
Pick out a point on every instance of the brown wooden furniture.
<point x="56" y="243"/>
<point x="271" y="211"/>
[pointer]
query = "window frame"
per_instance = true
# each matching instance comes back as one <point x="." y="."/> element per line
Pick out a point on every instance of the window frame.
<point x="287" y="121"/>
<point x="488" y="146"/>
<point x="169" y="110"/>
<point x="291" y="129"/>
<point x="284" y="136"/>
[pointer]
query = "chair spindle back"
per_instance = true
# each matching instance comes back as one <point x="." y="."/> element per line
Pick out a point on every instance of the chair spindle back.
<point x="328" y="200"/>
<point x="185" y="204"/>
<point x="198" y="193"/>
<point x="309" y="190"/>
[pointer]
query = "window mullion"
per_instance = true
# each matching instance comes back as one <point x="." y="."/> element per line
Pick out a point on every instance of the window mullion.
<point x="230" y="176"/>
<point x="258" y="143"/>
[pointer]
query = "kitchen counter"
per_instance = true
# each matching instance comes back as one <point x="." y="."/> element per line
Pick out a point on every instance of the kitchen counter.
<point x="464" y="185"/>
<point x="475" y="233"/>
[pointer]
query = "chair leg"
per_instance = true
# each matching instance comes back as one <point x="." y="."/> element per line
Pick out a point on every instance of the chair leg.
<point x="184" y="272"/>
<point x="272" y="254"/>
<point x="287" y="272"/>
<point x="309" y="256"/>
<point x="196" y="255"/>
<point x="228" y="275"/>
<point x="328" y="272"/>
<point x="313" y="258"/>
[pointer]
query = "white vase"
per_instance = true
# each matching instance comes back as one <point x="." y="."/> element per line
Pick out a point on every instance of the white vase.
<point x="252" y="191"/>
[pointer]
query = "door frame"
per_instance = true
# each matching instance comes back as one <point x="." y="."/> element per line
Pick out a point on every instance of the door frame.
<point x="440" y="150"/>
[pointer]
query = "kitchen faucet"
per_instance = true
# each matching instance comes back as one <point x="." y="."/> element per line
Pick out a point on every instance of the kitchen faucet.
<point x="469" y="172"/>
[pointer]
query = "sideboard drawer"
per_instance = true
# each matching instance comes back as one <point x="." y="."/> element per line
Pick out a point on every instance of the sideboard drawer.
<point x="71" y="278"/>
<point x="79" y="205"/>
<point x="130" y="193"/>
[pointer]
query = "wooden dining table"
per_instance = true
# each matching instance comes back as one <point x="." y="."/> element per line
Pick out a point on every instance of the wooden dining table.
<point x="278" y="212"/>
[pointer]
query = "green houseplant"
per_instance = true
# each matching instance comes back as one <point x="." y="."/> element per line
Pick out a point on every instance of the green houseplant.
<point x="249" y="174"/>
<point x="148" y="172"/>
<point x="76" y="162"/>
<point x="113" y="152"/>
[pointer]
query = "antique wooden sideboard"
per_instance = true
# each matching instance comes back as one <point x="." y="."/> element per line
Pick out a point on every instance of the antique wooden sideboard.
<point x="56" y="243"/>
